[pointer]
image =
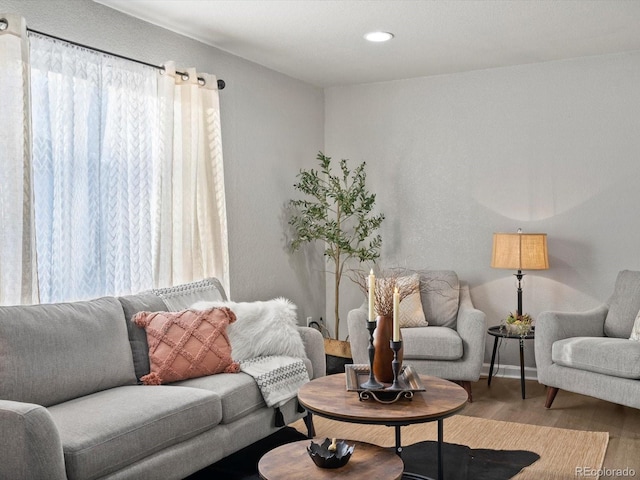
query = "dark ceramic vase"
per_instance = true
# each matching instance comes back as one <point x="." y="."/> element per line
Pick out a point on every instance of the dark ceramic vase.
<point x="382" y="335"/>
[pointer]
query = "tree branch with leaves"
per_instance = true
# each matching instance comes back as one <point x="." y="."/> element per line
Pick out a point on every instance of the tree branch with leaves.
<point x="337" y="210"/>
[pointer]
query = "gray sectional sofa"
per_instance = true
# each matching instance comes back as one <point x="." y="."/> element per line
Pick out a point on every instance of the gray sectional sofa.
<point x="71" y="406"/>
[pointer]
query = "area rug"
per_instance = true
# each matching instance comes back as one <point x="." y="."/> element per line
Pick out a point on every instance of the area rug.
<point x="474" y="448"/>
<point x="462" y="462"/>
<point x="243" y="464"/>
<point x="561" y="451"/>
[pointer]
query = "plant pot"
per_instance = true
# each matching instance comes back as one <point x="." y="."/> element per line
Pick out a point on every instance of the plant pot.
<point x="518" y="328"/>
<point x="338" y="354"/>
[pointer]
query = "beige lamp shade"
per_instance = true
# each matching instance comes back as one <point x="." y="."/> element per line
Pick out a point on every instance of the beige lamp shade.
<point x="520" y="251"/>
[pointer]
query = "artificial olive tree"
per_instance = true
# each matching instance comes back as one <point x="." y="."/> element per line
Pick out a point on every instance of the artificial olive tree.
<point x="337" y="210"/>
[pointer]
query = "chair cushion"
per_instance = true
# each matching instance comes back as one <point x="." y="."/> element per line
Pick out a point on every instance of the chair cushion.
<point x="187" y="344"/>
<point x="624" y="305"/>
<point x="610" y="356"/>
<point x="431" y="343"/>
<point x="440" y="293"/>
<point x="53" y="353"/>
<point x="106" y="431"/>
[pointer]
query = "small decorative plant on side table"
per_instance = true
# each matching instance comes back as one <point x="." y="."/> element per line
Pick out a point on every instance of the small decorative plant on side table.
<point x="517" y="324"/>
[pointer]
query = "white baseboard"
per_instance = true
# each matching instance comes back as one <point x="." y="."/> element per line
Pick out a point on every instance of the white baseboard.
<point x="509" y="371"/>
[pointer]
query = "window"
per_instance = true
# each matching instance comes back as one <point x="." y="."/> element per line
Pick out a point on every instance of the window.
<point x="94" y="122"/>
<point x="114" y="178"/>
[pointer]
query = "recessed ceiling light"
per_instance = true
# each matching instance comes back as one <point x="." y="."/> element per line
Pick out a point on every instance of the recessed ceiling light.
<point x="378" y="36"/>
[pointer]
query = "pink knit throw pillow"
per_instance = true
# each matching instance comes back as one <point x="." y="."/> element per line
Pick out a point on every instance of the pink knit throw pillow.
<point x="187" y="344"/>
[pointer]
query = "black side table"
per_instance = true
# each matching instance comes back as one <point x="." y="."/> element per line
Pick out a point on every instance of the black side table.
<point x="500" y="331"/>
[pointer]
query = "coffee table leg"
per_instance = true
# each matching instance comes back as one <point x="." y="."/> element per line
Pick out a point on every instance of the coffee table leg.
<point x="493" y="359"/>
<point x="308" y="421"/>
<point x="415" y="476"/>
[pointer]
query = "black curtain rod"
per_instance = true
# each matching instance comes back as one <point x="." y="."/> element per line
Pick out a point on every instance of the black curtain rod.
<point x="221" y="83"/>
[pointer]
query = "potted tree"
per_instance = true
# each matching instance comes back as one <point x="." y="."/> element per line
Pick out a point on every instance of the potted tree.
<point x="337" y="210"/>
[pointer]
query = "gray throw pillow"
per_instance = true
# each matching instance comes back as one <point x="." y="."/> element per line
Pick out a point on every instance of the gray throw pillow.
<point x="133" y="304"/>
<point x="440" y="293"/>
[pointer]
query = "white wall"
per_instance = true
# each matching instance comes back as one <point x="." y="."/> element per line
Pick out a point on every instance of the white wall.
<point x="549" y="148"/>
<point x="272" y="126"/>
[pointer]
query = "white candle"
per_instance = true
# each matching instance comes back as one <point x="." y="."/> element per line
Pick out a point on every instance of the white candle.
<point x="372" y="296"/>
<point x="396" y="315"/>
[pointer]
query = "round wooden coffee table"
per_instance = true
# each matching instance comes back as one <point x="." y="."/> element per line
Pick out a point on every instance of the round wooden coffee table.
<point x="292" y="462"/>
<point x="328" y="397"/>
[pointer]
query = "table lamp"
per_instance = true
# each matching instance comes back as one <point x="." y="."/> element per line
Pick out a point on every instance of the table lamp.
<point x="520" y="251"/>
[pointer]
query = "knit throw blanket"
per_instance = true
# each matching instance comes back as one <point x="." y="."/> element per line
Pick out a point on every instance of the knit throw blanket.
<point x="278" y="377"/>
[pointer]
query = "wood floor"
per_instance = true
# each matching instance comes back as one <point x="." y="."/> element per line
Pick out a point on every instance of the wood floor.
<point x="503" y="401"/>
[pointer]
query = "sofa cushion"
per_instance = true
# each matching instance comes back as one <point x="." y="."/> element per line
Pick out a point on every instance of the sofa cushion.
<point x="52" y="353"/>
<point x="132" y="304"/>
<point x="262" y="328"/>
<point x="410" y="308"/>
<point x="181" y="297"/>
<point x="440" y="293"/>
<point x="610" y="356"/>
<point x="187" y="344"/>
<point x="624" y="305"/>
<point x="431" y="343"/>
<point x="239" y="393"/>
<point x="106" y="431"/>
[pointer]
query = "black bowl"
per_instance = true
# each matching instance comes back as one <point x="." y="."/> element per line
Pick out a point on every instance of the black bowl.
<point x="324" y="458"/>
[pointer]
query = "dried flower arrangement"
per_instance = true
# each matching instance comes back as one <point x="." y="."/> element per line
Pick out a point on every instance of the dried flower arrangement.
<point x="386" y="282"/>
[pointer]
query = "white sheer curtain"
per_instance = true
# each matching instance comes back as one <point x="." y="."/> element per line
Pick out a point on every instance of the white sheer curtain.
<point x="121" y="188"/>
<point x="18" y="279"/>
<point x="94" y="143"/>
<point x="191" y="220"/>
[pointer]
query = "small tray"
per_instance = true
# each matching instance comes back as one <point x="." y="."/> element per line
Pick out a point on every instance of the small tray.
<point x="357" y="374"/>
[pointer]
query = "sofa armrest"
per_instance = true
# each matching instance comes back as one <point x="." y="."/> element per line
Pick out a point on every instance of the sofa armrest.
<point x="471" y="325"/>
<point x="30" y="446"/>
<point x="314" y="348"/>
<point x="554" y="326"/>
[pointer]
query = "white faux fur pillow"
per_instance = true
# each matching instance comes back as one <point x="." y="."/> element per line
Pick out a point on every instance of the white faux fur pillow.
<point x="261" y="328"/>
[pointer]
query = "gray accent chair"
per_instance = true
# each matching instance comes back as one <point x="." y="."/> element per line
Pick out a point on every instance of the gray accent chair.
<point x="590" y="352"/>
<point x="451" y="347"/>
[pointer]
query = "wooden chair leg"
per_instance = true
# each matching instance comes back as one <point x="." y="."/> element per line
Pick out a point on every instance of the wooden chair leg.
<point x="551" y="395"/>
<point x="467" y="386"/>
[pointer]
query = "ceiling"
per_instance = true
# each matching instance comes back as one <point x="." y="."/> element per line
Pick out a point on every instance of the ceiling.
<point x="321" y="41"/>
